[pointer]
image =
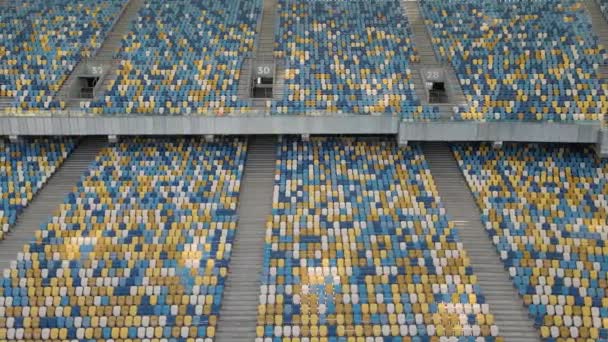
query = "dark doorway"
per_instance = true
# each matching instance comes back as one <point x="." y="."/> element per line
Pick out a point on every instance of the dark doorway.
<point x="87" y="86"/>
<point x="262" y="88"/>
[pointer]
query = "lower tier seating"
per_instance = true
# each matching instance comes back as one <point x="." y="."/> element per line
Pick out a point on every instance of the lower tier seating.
<point x="358" y="248"/>
<point x="546" y="210"/>
<point x="24" y="168"/>
<point x="138" y="252"/>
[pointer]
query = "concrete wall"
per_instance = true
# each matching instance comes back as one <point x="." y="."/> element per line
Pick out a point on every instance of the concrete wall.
<point x="500" y="131"/>
<point x="172" y="125"/>
<point x="258" y="124"/>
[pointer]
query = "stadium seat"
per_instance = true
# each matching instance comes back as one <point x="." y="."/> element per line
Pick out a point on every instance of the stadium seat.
<point x="545" y="209"/>
<point x="183" y="58"/>
<point x="24" y="169"/>
<point x="521" y="60"/>
<point x="347" y="57"/>
<point x="139" y="251"/>
<point x="358" y="246"/>
<point x="42" y="41"/>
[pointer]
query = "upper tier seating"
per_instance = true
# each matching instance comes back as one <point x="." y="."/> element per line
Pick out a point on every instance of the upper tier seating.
<point x="347" y="57"/>
<point x="545" y="209"/>
<point x="521" y="60"/>
<point x="41" y="43"/>
<point x="183" y="57"/>
<point x="138" y="251"/>
<point x="359" y="246"/>
<point x="24" y="168"/>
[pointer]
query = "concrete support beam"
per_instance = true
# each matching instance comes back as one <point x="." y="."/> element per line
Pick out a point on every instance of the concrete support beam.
<point x="601" y="148"/>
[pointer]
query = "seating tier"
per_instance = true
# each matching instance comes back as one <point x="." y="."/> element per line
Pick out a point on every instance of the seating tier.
<point x="521" y="60"/>
<point x="183" y="57"/>
<point x="347" y="57"/>
<point x="358" y="246"/>
<point x="545" y="208"/>
<point x="42" y="41"/>
<point x="24" y="169"/>
<point x="139" y="251"/>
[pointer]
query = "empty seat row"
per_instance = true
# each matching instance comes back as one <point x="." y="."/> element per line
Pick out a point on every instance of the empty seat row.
<point x="521" y="60"/>
<point x="139" y="251"/>
<point x="25" y="166"/>
<point x="358" y="246"/>
<point x="545" y="209"/>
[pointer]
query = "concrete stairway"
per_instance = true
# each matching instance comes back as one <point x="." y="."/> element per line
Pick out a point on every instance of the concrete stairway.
<point x="265" y="41"/>
<point x="511" y="316"/>
<point x="104" y="56"/>
<point x="421" y="37"/>
<point x="428" y="59"/>
<point x="265" y="54"/>
<point x="600" y="25"/>
<point x="5" y="102"/>
<point x="602" y="71"/>
<point x="279" y="82"/>
<point x="111" y="44"/>
<point x="244" y="90"/>
<point x="424" y="46"/>
<point x="49" y="198"/>
<point x="238" y="316"/>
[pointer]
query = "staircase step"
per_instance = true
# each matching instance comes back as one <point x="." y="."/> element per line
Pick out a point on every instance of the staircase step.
<point x="600" y="26"/>
<point x="505" y="303"/>
<point x="425" y="48"/>
<point x="48" y="199"/>
<point x="238" y="316"/>
<point x="104" y="56"/>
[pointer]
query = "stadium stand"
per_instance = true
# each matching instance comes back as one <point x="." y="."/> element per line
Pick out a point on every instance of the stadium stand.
<point x="139" y="251"/>
<point x="359" y="246"/>
<point x="192" y="68"/>
<point x="521" y="60"/>
<point x="24" y="168"/>
<point x="42" y="41"/>
<point x="347" y="57"/>
<point x="545" y="210"/>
